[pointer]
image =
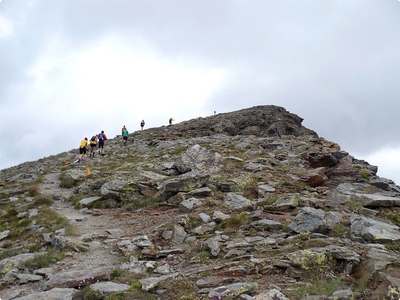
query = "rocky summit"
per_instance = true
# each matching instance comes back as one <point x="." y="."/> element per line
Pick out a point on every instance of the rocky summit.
<point x="242" y="205"/>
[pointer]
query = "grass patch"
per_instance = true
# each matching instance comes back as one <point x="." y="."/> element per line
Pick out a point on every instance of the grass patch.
<point x="233" y="223"/>
<point x="53" y="221"/>
<point x="43" y="260"/>
<point x="202" y="257"/>
<point x="70" y="230"/>
<point x="391" y="214"/>
<point x="339" y="229"/>
<point x="319" y="287"/>
<point x="116" y="273"/>
<point x="177" y="150"/>
<point x="75" y="200"/>
<point x="178" y="289"/>
<point x="88" y="294"/>
<point x="42" y="200"/>
<point x="132" y="295"/>
<point x="33" y="191"/>
<point x="365" y="175"/>
<point x="20" y="229"/>
<point x="9" y="253"/>
<point x="193" y="222"/>
<point x="10" y="213"/>
<point x="354" y="204"/>
<point x="268" y="201"/>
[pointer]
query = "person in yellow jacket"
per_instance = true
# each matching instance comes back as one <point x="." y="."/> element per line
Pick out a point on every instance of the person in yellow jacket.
<point x="84" y="146"/>
<point x="93" y="145"/>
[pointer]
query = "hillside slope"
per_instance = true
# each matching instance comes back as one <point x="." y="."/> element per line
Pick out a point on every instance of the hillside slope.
<point x="243" y="205"/>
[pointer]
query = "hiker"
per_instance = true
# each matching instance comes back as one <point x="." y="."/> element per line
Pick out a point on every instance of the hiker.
<point x="170" y="121"/>
<point x="142" y="124"/>
<point x="82" y="149"/>
<point x="93" y="145"/>
<point x="102" y="137"/>
<point x="125" y="134"/>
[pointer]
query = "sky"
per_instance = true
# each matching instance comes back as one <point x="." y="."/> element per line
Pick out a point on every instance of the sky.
<point x="71" y="68"/>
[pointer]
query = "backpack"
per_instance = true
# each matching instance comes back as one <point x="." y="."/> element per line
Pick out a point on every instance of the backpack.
<point x="93" y="138"/>
<point x="101" y="137"/>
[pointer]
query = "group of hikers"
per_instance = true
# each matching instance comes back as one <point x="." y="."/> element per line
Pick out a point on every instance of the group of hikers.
<point x="84" y="146"/>
<point x="100" y="139"/>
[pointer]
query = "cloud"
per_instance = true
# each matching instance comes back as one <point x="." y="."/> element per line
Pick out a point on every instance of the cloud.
<point x="98" y="86"/>
<point x="6" y="27"/>
<point x="81" y="66"/>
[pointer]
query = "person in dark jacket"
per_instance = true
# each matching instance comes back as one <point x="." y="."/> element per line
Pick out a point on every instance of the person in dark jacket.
<point x="102" y="138"/>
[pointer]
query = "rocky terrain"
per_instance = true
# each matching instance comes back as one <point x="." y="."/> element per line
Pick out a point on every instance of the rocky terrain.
<point x="242" y="205"/>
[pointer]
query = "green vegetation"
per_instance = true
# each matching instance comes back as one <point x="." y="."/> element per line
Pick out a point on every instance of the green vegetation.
<point x="318" y="287"/>
<point x="268" y="201"/>
<point x="75" y="200"/>
<point x="33" y="191"/>
<point x="193" y="222"/>
<point x="140" y="203"/>
<point x="177" y="150"/>
<point x="43" y="260"/>
<point x="339" y="229"/>
<point x="203" y="257"/>
<point x="365" y="175"/>
<point x="178" y="289"/>
<point x="9" y="253"/>
<point x="21" y="226"/>
<point x="42" y="200"/>
<point x="391" y="214"/>
<point x="233" y="223"/>
<point x="355" y="204"/>
<point x="88" y="294"/>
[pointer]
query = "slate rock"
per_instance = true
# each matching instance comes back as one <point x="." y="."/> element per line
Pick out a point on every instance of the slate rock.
<point x="314" y="220"/>
<point x="186" y="206"/>
<point x="199" y="158"/>
<point x="370" y="230"/>
<point x="109" y="287"/>
<point x="78" y="279"/>
<point x="56" y="293"/>
<point x="235" y="201"/>
<point x="113" y="187"/>
<point x="184" y="183"/>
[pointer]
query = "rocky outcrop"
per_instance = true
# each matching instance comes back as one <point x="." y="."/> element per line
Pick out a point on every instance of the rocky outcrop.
<point x="243" y="205"/>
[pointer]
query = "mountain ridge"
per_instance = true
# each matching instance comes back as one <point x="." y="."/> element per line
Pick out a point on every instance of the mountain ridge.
<point x="242" y="205"/>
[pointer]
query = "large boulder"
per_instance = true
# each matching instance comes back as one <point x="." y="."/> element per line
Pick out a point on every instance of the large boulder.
<point x="184" y="183"/>
<point x="199" y="158"/>
<point x="314" y="220"/>
<point x="365" y="229"/>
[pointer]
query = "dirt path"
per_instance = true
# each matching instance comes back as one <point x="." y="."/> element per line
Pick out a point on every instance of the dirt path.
<point x="98" y="231"/>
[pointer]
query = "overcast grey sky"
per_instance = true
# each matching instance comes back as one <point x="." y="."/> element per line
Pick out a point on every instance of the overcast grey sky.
<point x="70" y="68"/>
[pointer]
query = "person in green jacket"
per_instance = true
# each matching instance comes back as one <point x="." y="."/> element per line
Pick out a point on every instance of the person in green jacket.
<point x="125" y="134"/>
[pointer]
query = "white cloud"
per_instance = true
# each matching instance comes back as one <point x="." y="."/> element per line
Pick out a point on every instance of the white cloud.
<point x="112" y="70"/>
<point x="102" y="86"/>
<point x="6" y="27"/>
<point x="113" y="76"/>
